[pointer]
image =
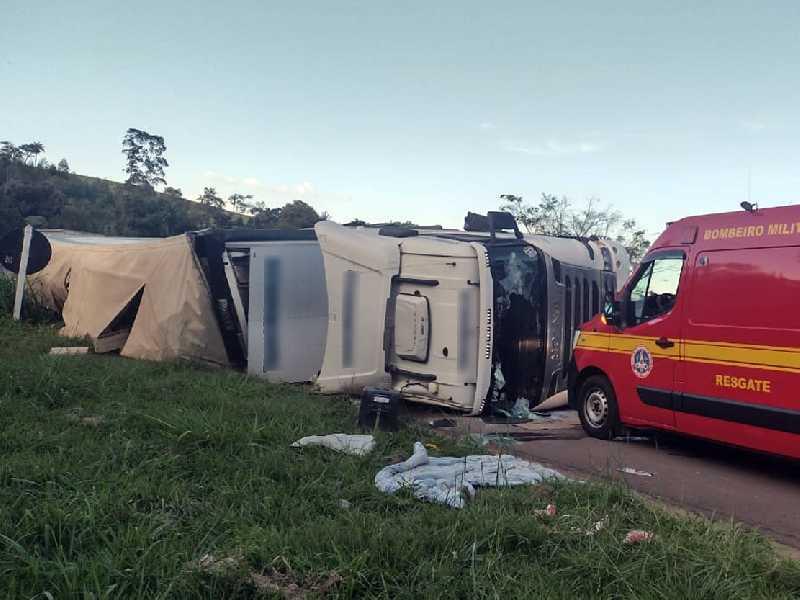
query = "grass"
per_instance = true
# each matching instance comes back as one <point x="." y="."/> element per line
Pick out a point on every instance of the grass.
<point x="117" y="475"/>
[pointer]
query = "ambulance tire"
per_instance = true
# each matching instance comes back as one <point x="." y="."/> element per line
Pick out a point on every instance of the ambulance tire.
<point x="597" y="408"/>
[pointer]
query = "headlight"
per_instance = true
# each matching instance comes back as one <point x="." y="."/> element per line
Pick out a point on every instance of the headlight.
<point x="575" y="337"/>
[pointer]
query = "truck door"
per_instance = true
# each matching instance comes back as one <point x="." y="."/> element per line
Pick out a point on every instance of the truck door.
<point x="644" y="354"/>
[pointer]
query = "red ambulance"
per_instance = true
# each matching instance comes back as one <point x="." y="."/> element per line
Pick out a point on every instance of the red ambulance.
<point x="704" y="339"/>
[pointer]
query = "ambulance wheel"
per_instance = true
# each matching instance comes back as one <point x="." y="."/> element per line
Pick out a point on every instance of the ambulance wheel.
<point x="597" y="408"/>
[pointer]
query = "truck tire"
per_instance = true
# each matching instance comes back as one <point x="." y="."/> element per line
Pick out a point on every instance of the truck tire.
<point x="597" y="408"/>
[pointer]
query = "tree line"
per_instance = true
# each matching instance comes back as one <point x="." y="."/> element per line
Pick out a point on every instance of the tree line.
<point x="32" y="190"/>
<point x="558" y="216"/>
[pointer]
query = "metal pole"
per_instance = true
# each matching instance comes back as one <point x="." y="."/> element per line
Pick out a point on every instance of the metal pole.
<point x="23" y="272"/>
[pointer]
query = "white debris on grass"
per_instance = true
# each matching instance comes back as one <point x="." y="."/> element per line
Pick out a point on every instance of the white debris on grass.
<point x="69" y="351"/>
<point x="357" y="445"/>
<point x="445" y="480"/>
<point x="632" y="471"/>
<point x="598" y="526"/>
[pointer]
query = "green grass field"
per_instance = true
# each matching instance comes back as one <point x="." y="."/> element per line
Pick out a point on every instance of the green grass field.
<point x="117" y="476"/>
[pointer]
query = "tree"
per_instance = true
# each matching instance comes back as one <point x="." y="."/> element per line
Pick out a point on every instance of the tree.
<point x="145" y="160"/>
<point x="556" y="216"/>
<point x="634" y="239"/>
<point x="550" y="217"/>
<point x="31" y="151"/>
<point x="9" y="151"/>
<point x="297" y="215"/>
<point x="209" y="198"/>
<point x="173" y="192"/>
<point x="63" y="166"/>
<point x="239" y="201"/>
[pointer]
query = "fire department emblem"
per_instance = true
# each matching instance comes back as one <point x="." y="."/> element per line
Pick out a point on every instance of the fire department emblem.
<point x="641" y="362"/>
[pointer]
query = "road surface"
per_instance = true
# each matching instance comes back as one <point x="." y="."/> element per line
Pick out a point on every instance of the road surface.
<point x="720" y="482"/>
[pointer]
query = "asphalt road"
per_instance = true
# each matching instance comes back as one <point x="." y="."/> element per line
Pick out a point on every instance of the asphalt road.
<point x="760" y="491"/>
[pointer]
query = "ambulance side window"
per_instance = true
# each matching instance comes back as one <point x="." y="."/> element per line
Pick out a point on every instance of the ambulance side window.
<point x="655" y="290"/>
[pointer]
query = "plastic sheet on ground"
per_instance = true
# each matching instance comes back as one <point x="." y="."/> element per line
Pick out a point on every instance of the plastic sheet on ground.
<point x="447" y="480"/>
<point x="358" y="445"/>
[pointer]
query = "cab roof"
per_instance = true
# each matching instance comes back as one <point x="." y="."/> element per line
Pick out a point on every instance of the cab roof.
<point x="764" y="227"/>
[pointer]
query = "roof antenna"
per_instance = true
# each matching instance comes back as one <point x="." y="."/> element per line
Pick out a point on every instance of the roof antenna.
<point x="747" y="204"/>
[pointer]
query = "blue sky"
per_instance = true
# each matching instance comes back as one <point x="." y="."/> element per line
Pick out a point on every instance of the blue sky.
<point x="420" y="110"/>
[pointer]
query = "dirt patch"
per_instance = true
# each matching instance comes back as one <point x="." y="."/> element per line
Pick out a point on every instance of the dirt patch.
<point x="286" y="586"/>
<point x="270" y="581"/>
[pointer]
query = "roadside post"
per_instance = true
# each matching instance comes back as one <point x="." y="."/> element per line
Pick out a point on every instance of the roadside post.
<point x="22" y="273"/>
<point x="24" y="252"/>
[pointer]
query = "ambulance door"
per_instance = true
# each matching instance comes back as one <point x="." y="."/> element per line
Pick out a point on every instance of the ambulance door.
<point x="646" y="350"/>
<point x="741" y="367"/>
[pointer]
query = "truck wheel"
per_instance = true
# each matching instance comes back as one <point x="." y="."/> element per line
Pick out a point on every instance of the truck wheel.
<point x="597" y="408"/>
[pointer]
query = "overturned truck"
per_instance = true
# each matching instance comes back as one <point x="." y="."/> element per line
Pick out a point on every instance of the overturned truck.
<point x="470" y="320"/>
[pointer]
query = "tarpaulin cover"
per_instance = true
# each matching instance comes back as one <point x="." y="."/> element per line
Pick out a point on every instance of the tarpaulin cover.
<point x="92" y="280"/>
<point x="445" y="479"/>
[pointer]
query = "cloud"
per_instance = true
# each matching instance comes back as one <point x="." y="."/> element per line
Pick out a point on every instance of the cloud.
<point x="303" y="188"/>
<point x="753" y="125"/>
<point x="486" y="125"/>
<point x="555" y="148"/>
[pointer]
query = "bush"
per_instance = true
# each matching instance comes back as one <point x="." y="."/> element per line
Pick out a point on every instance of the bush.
<point x="6" y="295"/>
<point x="33" y="309"/>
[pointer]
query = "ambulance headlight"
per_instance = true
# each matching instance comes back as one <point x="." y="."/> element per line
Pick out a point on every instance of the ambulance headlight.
<point x="575" y="337"/>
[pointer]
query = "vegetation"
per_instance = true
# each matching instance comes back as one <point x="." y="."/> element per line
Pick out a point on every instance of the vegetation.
<point x="144" y="158"/>
<point x="119" y="476"/>
<point x="557" y="216"/>
<point x="35" y="191"/>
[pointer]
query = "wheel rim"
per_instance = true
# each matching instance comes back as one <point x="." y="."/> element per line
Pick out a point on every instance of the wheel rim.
<point x="595" y="408"/>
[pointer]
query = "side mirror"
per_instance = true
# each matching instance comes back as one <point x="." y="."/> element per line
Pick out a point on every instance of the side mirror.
<point x="612" y="311"/>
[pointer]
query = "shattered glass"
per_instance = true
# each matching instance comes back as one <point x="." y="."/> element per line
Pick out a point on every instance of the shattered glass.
<point x="518" y="357"/>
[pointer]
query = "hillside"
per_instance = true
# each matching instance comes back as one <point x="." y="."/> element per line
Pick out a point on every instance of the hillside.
<point x="49" y="197"/>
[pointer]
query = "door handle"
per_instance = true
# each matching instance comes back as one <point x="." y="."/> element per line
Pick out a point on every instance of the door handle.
<point x="663" y="342"/>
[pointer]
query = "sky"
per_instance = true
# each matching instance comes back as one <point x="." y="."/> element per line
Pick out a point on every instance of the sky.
<point x="420" y="111"/>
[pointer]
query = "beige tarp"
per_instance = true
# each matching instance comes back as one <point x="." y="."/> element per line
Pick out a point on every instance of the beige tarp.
<point x="92" y="283"/>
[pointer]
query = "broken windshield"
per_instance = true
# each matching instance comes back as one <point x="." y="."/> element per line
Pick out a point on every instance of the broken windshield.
<point x="519" y="325"/>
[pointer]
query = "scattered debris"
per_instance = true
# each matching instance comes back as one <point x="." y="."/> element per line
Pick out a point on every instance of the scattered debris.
<point x="357" y="445"/>
<point x="89" y="420"/>
<point x="632" y="471"/>
<point x="344" y="504"/>
<point x="69" y="350"/>
<point x="208" y="563"/>
<point x="548" y="511"/>
<point x="445" y="479"/>
<point x="637" y="536"/>
<point x="598" y="526"/>
<point x="442" y="423"/>
<point x="501" y="417"/>
<point x="632" y="438"/>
